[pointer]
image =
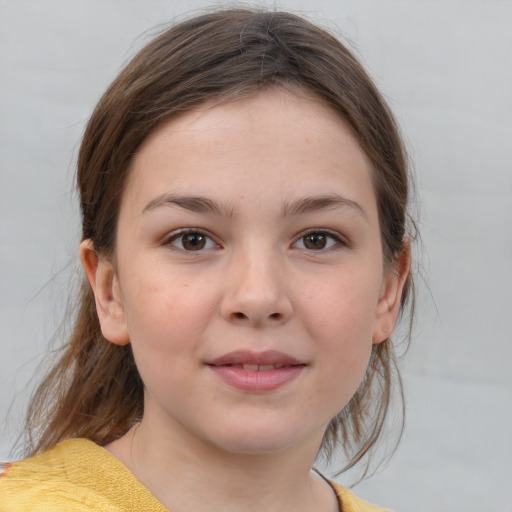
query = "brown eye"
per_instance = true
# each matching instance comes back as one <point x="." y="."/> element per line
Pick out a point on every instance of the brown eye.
<point x="315" y="241"/>
<point x="318" y="241"/>
<point x="192" y="241"/>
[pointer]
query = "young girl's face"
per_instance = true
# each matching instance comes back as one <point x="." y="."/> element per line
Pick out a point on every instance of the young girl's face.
<point x="249" y="276"/>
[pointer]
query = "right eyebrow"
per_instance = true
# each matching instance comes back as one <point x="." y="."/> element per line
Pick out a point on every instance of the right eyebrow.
<point x="196" y="204"/>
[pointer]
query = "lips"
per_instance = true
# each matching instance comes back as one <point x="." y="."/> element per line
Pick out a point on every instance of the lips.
<point x="258" y="367"/>
<point x="260" y="359"/>
<point x="257" y="372"/>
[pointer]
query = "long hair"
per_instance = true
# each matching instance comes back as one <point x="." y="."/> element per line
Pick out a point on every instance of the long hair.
<point x="94" y="390"/>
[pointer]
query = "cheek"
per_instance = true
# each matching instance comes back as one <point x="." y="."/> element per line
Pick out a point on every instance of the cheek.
<point x="165" y="313"/>
<point x="163" y="324"/>
<point x="343" y="305"/>
<point x="339" y="317"/>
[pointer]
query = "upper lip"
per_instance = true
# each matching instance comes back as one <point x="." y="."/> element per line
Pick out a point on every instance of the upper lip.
<point x="257" y="358"/>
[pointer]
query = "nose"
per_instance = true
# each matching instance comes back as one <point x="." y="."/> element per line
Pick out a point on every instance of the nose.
<point x="256" y="292"/>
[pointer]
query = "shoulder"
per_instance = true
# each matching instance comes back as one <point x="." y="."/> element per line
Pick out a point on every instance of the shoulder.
<point x="75" y="476"/>
<point x="349" y="502"/>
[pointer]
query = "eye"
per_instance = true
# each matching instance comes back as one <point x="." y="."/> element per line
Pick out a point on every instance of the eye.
<point x="191" y="240"/>
<point x="318" y="241"/>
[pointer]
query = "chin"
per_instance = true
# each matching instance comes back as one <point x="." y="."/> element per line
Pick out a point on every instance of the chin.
<point x="258" y="440"/>
<point x="255" y="446"/>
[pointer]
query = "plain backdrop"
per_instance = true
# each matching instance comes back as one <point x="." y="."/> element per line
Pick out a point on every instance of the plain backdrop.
<point x="446" y="68"/>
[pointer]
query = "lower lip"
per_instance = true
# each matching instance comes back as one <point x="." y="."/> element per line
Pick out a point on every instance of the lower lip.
<point x="247" y="380"/>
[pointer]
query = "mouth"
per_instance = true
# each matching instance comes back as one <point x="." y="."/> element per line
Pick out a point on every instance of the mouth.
<point x="257" y="371"/>
<point x="258" y="367"/>
<point x="256" y="361"/>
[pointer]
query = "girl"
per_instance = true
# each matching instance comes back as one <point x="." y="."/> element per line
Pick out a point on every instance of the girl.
<point x="243" y="195"/>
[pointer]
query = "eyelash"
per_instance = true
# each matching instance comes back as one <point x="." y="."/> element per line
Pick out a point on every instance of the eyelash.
<point x="174" y="237"/>
<point x="209" y="243"/>
<point x="335" y="238"/>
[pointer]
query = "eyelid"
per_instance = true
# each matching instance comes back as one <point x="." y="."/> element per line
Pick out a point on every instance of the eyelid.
<point x="340" y="240"/>
<point x="176" y="234"/>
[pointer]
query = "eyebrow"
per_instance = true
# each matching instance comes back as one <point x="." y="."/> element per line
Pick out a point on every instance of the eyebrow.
<point x="299" y="206"/>
<point x="196" y="204"/>
<point x="306" y="205"/>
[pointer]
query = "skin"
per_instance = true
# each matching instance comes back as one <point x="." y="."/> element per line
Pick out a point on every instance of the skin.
<point x="270" y="270"/>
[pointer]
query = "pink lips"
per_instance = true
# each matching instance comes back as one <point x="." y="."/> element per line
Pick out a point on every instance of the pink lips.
<point x="252" y="371"/>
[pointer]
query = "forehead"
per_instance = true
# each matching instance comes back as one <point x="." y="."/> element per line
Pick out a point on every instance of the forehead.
<point x="276" y="143"/>
<point x="290" y="111"/>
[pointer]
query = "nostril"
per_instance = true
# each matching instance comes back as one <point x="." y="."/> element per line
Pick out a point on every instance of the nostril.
<point x="239" y="314"/>
<point x="274" y="315"/>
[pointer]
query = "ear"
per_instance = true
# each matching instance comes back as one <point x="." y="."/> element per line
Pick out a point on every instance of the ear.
<point x="107" y="294"/>
<point x="388" y="306"/>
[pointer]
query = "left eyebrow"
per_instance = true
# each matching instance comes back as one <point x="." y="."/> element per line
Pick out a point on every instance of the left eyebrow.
<point x="318" y="203"/>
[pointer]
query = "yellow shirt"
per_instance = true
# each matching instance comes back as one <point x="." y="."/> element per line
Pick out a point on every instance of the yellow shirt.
<point x="79" y="476"/>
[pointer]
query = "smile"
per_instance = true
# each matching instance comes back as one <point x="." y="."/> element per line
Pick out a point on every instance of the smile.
<point x="272" y="359"/>
<point x="259" y="367"/>
<point x="257" y="372"/>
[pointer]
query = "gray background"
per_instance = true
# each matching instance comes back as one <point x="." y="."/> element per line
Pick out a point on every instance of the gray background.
<point x="446" y="68"/>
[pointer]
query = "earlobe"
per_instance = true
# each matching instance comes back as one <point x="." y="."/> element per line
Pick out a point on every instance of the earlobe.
<point x="104" y="282"/>
<point x="388" y="307"/>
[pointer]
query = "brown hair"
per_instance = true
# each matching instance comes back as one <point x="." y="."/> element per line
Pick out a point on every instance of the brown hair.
<point x="94" y="390"/>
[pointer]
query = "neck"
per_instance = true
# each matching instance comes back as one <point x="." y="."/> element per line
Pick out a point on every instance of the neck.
<point x="185" y="473"/>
